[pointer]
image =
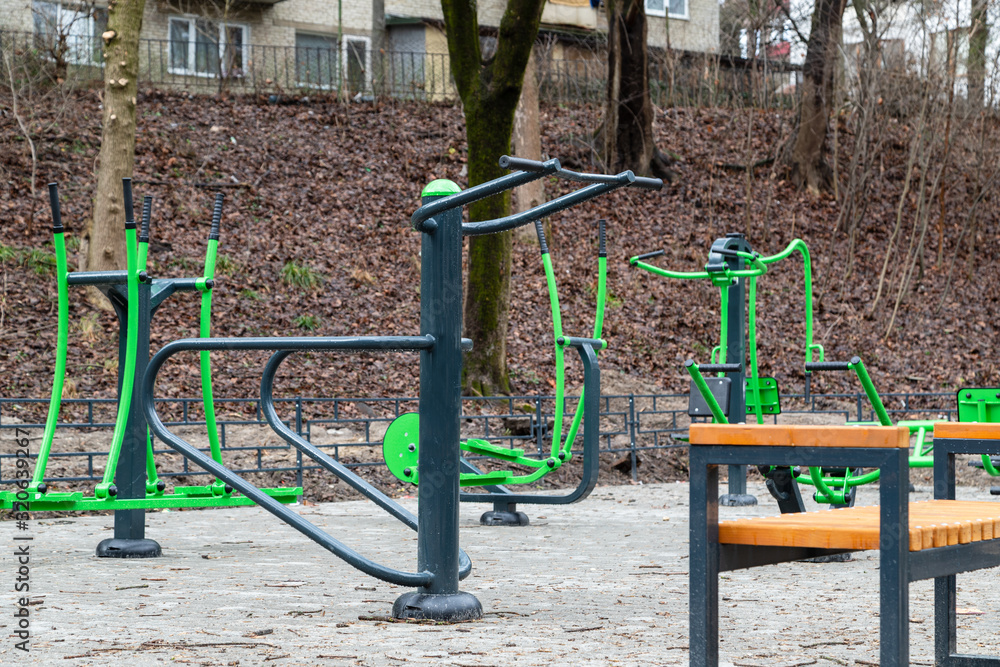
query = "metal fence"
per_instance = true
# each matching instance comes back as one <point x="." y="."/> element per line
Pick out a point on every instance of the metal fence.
<point x="676" y="79"/>
<point x="348" y="428"/>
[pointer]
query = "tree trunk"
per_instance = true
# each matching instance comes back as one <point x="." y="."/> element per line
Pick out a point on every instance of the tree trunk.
<point x="490" y="91"/>
<point x="628" y="119"/>
<point x="526" y="142"/>
<point x="976" y="63"/>
<point x="106" y="231"/>
<point x="487" y="300"/>
<point x="807" y="161"/>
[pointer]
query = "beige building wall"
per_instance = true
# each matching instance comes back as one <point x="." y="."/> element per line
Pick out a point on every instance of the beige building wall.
<point x="437" y="67"/>
<point x="698" y="32"/>
<point x="16" y="15"/>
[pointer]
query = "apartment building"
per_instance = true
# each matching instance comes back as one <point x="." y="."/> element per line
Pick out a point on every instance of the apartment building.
<point x="328" y="43"/>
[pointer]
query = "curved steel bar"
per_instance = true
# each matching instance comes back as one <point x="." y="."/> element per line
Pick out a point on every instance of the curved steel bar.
<point x="330" y="464"/>
<point x="308" y="529"/>
<point x="548" y="208"/>
<point x="477" y="192"/>
<point x="591" y="434"/>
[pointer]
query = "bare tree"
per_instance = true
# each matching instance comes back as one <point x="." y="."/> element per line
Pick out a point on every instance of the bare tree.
<point x="628" y="119"/>
<point x="490" y="88"/>
<point x="106" y="249"/>
<point x="807" y="158"/>
<point x="976" y="62"/>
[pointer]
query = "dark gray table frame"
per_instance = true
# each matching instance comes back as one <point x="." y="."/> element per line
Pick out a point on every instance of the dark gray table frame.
<point x="898" y="566"/>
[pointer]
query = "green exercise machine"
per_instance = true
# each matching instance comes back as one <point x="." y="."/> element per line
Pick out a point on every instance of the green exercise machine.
<point x="130" y="484"/>
<point x="400" y="449"/>
<point x="734" y="268"/>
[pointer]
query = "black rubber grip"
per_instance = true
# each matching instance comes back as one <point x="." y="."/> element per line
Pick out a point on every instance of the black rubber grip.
<point x="129" y="211"/>
<point x="832" y="365"/>
<point x="147" y="211"/>
<point x="57" y="225"/>
<point x="602" y="238"/>
<point x="648" y="183"/>
<point x="213" y="233"/>
<point x="520" y="164"/>
<point x="540" y="231"/>
<point x="649" y="255"/>
<point x="720" y="368"/>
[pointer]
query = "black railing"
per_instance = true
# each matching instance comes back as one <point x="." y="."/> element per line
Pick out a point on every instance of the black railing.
<point x="349" y="428"/>
<point x="676" y="79"/>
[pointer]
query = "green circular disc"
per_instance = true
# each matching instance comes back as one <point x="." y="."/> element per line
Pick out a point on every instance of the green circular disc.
<point x="400" y="446"/>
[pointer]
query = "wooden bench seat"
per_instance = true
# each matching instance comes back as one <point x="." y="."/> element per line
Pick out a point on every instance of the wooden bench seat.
<point x="933" y="523"/>
<point x="934" y="539"/>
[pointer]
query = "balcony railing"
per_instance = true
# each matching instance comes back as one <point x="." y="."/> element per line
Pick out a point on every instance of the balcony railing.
<point x="675" y="79"/>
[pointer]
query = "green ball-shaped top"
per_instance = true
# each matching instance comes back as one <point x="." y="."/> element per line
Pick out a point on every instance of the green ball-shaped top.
<point x="441" y="187"/>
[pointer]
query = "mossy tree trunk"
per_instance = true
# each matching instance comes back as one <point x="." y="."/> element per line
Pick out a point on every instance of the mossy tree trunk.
<point x="628" y="119"/>
<point x="976" y="63"/>
<point x="106" y="231"/>
<point x="490" y="90"/>
<point x="807" y="159"/>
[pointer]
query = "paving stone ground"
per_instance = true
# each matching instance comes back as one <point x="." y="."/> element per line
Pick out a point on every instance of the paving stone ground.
<point x="601" y="582"/>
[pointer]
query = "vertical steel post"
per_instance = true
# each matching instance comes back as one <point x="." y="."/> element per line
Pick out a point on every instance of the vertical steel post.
<point x="440" y="416"/>
<point x="703" y="576"/>
<point x="736" y="353"/>
<point x="130" y="476"/>
<point x="894" y="576"/>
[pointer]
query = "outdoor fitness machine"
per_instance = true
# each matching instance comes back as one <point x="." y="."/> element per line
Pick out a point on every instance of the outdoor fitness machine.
<point x="724" y="397"/>
<point x="440" y="562"/>
<point x="130" y="484"/>
<point x="733" y="395"/>
<point x="400" y="446"/>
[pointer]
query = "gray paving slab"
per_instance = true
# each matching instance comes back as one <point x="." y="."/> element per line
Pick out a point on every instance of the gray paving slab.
<point x="602" y="582"/>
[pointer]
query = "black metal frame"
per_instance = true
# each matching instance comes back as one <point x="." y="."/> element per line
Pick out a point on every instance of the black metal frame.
<point x="440" y="562"/>
<point x="898" y="566"/>
<point x="130" y="476"/>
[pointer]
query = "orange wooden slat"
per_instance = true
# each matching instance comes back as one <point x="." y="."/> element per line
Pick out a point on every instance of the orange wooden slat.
<point x="796" y="435"/>
<point x="933" y="523"/>
<point x="976" y="430"/>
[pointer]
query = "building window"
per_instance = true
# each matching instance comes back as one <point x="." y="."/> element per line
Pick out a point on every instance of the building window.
<point x="72" y="35"/>
<point x="316" y="61"/>
<point x="357" y="61"/>
<point x="678" y="8"/>
<point x="201" y="47"/>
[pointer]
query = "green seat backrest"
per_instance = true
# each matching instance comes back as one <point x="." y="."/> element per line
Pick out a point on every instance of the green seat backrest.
<point x="770" y="397"/>
<point x="979" y="404"/>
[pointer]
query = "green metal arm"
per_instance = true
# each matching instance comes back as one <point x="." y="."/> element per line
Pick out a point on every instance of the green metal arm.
<point x="602" y="281"/>
<point x="153" y="485"/>
<point x="699" y="382"/>
<point x="106" y="487"/>
<point x="62" y="335"/>
<point x="798" y="245"/>
<point x="858" y="367"/>
<point x="205" y="331"/>
<point x="563" y="450"/>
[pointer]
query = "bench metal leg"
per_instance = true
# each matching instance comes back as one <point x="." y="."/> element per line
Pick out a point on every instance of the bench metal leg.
<point x="894" y="551"/>
<point x="704" y="563"/>
<point x="945" y="627"/>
